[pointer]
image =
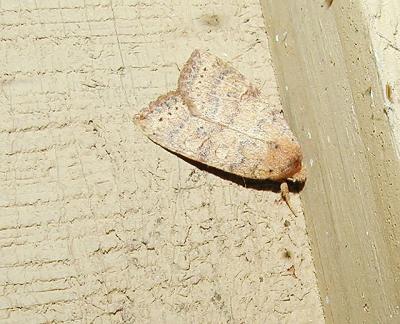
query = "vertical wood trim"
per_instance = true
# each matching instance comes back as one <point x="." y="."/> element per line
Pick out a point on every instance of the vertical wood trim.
<point x="330" y="89"/>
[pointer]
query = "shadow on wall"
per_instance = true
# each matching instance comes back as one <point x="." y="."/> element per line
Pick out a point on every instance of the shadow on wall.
<point x="261" y="185"/>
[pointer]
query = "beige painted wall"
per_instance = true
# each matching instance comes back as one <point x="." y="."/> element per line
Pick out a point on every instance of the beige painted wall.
<point x="99" y="225"/>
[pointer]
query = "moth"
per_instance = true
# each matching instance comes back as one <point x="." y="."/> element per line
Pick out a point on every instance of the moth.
<point x="219" y="118"/>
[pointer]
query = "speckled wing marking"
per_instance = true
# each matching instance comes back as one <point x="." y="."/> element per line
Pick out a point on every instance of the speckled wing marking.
<point x="217" y="117"/>
<point x="215" y="90"/>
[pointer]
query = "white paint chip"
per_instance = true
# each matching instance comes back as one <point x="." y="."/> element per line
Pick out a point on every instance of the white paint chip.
<point x="327" y="300"/>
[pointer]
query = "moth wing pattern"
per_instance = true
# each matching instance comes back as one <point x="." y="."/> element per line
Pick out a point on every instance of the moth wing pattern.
<point x="217" y="117"/>
<point x="215" y="90"/>
<point x="169" y="123"/>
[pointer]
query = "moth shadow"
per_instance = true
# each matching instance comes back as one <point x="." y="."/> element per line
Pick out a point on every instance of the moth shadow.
<point x="261" y="185"/>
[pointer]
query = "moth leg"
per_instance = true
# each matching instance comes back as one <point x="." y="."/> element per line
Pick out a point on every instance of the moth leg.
<point x="285" y="196"/>
<point x="300" y="176"/>
<point x="285" y="192"/>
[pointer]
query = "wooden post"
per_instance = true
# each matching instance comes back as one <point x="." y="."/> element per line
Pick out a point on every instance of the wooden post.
<point x="332" y="95"/>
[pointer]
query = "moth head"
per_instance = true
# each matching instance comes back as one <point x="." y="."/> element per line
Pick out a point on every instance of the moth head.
<point x="283" y="160"/>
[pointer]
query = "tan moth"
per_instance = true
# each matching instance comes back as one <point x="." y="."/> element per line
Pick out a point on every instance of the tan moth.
<point x="219" y="118"/>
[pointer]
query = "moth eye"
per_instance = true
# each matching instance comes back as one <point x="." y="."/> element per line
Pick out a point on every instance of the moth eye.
<point x="160" y="119"/>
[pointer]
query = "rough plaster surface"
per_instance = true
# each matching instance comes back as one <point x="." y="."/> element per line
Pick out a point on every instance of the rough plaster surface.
<point x="383" y="18"/>
<point x="99" y="225"/>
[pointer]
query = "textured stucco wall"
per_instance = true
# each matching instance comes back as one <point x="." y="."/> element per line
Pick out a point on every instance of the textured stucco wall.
<point x="99" y="225"/>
